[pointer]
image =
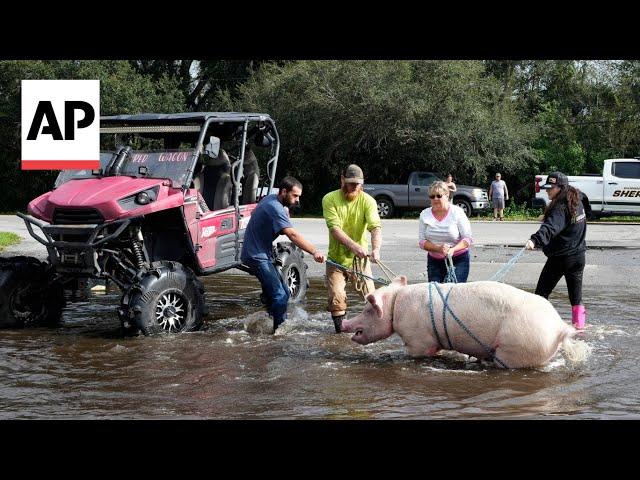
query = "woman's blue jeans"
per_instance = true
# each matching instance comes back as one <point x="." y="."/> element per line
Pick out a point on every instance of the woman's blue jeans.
<point x="275" y="291"/>
<point x="437" y="269"/>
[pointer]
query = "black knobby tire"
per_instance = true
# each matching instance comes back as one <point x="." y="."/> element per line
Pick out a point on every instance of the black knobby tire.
<point x="385" y="207"/>
<point x="167" y="298"/>
<point x="251" y="178"/>
<point x="28" y="296"/>
<point x="293" y="269"/>
<point x="464" y="205"/>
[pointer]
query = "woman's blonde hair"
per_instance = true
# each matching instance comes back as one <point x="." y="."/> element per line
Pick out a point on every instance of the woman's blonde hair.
<point x="439" y="187"/>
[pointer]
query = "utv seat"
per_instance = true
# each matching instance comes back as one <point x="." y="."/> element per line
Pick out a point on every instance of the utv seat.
<point x="214" y="181"/>
<point x="250" y="178"/>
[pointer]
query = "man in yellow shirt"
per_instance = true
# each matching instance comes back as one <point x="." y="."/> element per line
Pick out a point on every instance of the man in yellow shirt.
<point x="349" y="213"/>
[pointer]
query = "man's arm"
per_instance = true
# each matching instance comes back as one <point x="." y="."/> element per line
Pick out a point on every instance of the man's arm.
<point x="303" y="243"/>
<point x="506" y="192"/>
<point x="344" y="239"/>
<point x="376" y="243"/>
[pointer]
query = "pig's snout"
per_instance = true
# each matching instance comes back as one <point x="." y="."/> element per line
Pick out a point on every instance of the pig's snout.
<point x="354" y="326"/>
<point x="347" y="326"/>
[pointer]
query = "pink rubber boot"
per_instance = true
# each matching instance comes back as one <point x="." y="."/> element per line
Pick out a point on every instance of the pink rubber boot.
<point x="578" y="316"/>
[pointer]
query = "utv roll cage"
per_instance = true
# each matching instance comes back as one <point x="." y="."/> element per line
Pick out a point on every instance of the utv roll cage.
<point x="223" y="125"/>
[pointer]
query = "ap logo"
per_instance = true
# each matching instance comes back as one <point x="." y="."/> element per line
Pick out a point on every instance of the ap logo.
<point x="60" y="124"/>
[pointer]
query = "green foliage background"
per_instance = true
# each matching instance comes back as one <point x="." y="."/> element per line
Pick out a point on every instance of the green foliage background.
<point x="470" y="118"/>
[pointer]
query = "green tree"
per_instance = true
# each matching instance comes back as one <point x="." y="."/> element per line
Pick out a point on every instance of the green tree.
<point x="199" y="80"/>
<point x="391" y="117"/>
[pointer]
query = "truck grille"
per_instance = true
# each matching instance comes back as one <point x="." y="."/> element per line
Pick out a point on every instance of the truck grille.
<point x="77" y="216"/>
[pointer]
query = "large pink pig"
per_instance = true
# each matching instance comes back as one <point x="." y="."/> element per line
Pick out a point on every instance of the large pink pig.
<point x="516" y="328"/>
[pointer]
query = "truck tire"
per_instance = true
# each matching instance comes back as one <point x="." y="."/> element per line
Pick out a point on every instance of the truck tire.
<point x="168" y="298"/>
<point x="385" y="207"/>
<point x="464" y="204"/>
<point x="28" y="294"/>
<point x="591" y="215"/>
<point x="293" y="269"/>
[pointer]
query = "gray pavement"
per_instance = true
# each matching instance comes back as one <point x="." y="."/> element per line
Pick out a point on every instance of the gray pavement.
<point x="613" y="257"/>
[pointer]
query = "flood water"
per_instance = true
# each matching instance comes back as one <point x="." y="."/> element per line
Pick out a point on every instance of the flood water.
<point x="86" y="370"/>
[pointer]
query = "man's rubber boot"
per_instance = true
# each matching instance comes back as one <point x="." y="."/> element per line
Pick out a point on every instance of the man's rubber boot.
<point x="578" y="316"/>
<point x="337" y="322"/>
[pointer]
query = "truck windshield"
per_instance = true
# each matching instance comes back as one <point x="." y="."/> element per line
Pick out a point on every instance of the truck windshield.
<point x="167" y="164"/>
<point x="424" y="179"/>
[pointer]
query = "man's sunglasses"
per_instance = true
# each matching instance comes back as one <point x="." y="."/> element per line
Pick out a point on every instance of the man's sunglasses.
<point x="436" y="196"/>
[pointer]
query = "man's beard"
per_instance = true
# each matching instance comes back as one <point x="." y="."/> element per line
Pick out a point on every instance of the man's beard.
<point x="290" y="205"/>
<point x="350" y="196"/>
<point x="293" y="206"/>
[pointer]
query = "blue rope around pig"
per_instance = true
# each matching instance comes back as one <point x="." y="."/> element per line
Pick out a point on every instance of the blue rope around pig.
<point x="451" y="278"/>
<point x="446" y="307"/>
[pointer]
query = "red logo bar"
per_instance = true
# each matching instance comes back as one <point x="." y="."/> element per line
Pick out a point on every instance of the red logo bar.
<point x="60" y="164"/>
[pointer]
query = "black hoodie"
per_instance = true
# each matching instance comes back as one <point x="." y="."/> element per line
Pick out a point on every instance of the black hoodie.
<point x="561" y="234"/>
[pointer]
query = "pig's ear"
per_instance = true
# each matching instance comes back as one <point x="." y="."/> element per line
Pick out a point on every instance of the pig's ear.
<point x="377" y="304"/>
<point x="400" y="280"/>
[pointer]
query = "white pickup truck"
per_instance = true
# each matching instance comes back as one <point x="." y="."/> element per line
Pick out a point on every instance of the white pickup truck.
<point x="616" y="192"/>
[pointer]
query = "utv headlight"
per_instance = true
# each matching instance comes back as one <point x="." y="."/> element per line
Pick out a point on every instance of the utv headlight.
<point x="143" y="198"/>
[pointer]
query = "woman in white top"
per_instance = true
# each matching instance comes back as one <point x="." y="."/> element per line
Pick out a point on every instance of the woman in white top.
<point x="444" y="230"/>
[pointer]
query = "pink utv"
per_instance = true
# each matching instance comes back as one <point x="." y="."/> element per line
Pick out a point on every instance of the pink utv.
<point x="169" y="203"/>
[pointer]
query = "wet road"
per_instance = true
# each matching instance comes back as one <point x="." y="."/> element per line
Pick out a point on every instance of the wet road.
<point x="85" y="370"/>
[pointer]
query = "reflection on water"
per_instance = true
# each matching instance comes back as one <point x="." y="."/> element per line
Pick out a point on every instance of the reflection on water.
<point x="84" y="369"/>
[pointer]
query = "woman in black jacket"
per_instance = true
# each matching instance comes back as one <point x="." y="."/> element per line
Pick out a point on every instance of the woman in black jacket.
<point x="562" y="238"/>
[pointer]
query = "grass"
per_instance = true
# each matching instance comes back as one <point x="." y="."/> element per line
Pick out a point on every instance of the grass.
<point x="7" y="239"/>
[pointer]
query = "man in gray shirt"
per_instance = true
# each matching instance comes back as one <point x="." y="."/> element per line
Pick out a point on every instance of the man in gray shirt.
<point x="498" y="193"/>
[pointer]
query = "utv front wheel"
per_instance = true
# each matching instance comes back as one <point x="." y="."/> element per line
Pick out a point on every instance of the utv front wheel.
<point x="168" y="298"/>
<point x="28" y="296"/>
<point x="292" y="269"/>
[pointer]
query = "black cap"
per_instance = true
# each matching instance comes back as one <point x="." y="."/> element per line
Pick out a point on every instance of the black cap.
<point x="556" y="179"/>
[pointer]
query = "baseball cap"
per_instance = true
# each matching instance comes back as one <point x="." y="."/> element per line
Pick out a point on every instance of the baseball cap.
<point x="556" y="179"/>
<point x="353" y="174"/>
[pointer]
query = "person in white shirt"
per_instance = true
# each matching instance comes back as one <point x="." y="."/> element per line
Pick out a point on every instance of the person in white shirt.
<point x="499" y="194"/>
<point x="444" y="230"/>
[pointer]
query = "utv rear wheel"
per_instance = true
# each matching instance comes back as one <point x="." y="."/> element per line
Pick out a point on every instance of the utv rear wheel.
<point x="167" y="299"/>
<point x="28" y="294"/>
<point x="293" y="269"/>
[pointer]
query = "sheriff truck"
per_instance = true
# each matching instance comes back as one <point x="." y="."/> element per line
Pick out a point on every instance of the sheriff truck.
<point x="615" y="192"/>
